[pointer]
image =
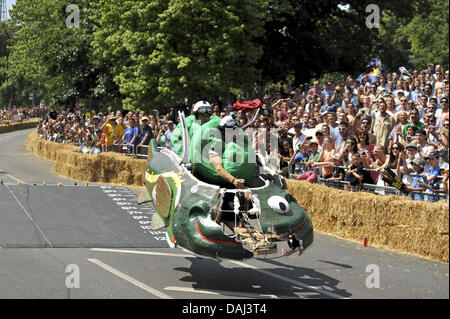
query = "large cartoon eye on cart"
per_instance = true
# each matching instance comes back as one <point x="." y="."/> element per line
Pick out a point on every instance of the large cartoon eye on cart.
<point x="214" y="221"/>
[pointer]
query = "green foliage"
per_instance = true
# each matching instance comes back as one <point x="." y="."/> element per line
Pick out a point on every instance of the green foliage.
<point x="165" y="51"/>
<point x="56" y="59"/>
<point x="428" y="34"/>
<point x="310" y="38"/>
<point x="333" y="77"/>
<point x="392" y="45"/>
<point x="141" y="54"/>
<point x="414" y="30"/>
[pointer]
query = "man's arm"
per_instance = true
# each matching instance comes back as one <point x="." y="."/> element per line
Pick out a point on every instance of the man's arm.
<point x="144" y="140"/>
<point x="216" y="161"/>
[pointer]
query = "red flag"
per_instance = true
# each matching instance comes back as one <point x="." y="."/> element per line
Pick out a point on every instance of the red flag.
<point x="247" y="105"/>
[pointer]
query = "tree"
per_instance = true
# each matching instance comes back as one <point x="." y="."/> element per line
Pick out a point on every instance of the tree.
<point x="428" y="33"/>
<point x="309" y="38"/>
<point x="54" y="57"/>
<point x="392" y="45"/>
<point x="162" y="52"/>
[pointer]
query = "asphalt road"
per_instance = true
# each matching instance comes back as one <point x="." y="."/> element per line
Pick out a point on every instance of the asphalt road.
<point x="55" y="237"/>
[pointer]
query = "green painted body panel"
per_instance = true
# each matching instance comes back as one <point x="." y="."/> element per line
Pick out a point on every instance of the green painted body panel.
<point x="177" y="134"/>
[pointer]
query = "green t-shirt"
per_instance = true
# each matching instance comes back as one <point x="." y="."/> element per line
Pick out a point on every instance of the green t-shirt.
<point x="419" y="125"/>
<point x="314" y="157"/>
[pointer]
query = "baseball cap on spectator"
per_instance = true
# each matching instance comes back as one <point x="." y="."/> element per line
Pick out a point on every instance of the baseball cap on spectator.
<point x="444" y="167"/>
<point x="432" y="155"/>
<point x="419" y="162"/>
<point x="324" y="113"/>
<point x="298" y="124"/>
<point x="366" y="117"/>
<point x="412" y="145"/>
<point x="145" y="118"/>
<point x="96" y="117"/>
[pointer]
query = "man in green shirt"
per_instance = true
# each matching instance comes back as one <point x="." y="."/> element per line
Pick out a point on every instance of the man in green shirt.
<point x="415" y="121"/>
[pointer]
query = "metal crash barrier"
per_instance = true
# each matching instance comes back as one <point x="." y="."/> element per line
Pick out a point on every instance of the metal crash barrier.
<point x="426" y="195"/>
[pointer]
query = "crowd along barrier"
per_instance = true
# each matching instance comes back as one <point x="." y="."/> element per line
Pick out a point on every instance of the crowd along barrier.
<point x="392" y="222"/>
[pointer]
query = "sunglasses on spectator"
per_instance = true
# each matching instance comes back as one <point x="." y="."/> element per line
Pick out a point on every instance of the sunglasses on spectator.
<point x="350" y="143"/>
<point x="395" y="147"/>
<point x="342" y="128"/>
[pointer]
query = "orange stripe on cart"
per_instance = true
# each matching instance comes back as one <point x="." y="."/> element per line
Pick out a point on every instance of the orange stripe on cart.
<point x="213" y="240"/>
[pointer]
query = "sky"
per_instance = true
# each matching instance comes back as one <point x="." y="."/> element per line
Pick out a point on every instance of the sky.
<point x="9" y="4"/>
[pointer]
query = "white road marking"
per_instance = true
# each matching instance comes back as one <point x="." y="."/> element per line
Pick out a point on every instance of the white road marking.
<point x="291" y="281"/>
<point x="137" y="252"/>
<point x="131" y="280"/>
<point x="223" y="292"/>
<point x="16" y="179"/>
<point x="31" y="219"/>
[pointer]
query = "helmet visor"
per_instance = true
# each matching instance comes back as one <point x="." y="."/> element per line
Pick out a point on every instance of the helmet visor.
<point x="232" y="123"/>
<point x="204" y="109"/>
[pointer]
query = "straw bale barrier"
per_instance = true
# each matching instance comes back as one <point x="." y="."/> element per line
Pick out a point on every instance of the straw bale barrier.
<point x="393" y="222"/>
<point x="7" y="126"/>
<point x="105" y="167"/>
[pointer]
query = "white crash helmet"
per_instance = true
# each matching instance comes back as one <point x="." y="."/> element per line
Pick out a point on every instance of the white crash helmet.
<point x="202" y="107"/>
<point x="229" y="121"/>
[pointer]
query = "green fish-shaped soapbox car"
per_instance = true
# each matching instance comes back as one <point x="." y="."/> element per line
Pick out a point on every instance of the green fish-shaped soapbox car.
<point x="222" y="223"/>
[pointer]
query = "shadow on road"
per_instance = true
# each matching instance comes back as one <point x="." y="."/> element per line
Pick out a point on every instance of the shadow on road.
<point x="208" y="274"/>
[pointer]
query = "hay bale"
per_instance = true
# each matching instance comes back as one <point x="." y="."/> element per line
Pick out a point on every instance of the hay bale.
<point x="104" y="167"/>
<point x="392" y="222"/>
<point x="7" y="126"/>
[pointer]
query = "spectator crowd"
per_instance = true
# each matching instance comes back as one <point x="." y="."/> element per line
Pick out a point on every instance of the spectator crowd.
<point x="350" y="132"/>
<point x="15" y="114"/>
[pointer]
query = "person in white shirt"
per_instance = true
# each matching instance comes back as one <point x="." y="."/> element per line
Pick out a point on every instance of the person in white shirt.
<point x="299" y="137"/>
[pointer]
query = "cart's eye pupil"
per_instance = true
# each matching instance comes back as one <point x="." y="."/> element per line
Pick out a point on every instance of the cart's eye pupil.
<point x="279" y="204"/>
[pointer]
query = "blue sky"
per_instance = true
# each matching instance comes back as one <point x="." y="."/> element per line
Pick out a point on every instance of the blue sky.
<point x="9" y="3"/>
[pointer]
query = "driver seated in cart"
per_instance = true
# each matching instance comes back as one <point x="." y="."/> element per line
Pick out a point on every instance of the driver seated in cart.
<point x="221" y="154"/>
